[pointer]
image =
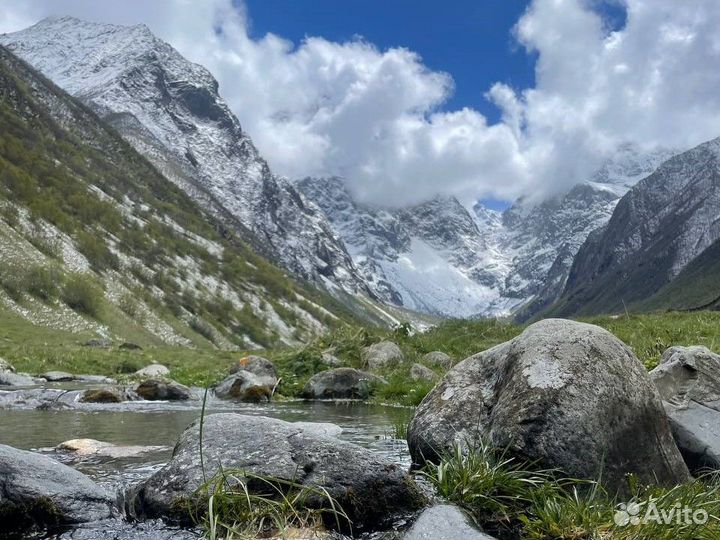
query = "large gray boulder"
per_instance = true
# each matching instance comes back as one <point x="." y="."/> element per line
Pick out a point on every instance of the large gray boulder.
<point x="38" y="398"/>
<point x="563" y="394"/>
<point x="162" y="390"/>
<point x="444" y="522"/>
<point x="368" y="487"/>
<point x="688" y="379"/>
<point x="36" y="491"/>
<point x="437" y="358"/>
<point x="341" y="383"/>
<point x="153" y="370"/>
<point x="245" y="386"/>
<point x="257" y="365"/>
<point x="385" y="354"/>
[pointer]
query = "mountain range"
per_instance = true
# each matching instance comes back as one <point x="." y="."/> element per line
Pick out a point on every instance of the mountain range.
<point x="442" y="258"/>
<point x="169" y="109"/>
<point x="620" y="238"/>
<point x="657" y="230"/>
<point x="94" y="240"/>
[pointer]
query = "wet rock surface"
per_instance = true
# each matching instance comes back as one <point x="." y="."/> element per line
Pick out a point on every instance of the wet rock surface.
<point x="162" y="390"/>
<point x="10" y="378"/>
<point x="257" y="365"/>
<point x="57" y="376"/>
<point x="106" y="394"/>
<point x="92" y="447"/>
<point x="246" y="386"/>
<point x="36" y="491"/>
<point x="444" y="522"/>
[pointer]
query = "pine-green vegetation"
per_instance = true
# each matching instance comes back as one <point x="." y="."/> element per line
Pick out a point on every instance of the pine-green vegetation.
<point x="512" y="499"/>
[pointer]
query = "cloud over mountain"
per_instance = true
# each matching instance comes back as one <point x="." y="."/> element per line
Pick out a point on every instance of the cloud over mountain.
<point x="378" y="117"/>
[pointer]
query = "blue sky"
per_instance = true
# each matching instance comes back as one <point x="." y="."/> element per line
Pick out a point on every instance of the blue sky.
<point x="471" y="40"/>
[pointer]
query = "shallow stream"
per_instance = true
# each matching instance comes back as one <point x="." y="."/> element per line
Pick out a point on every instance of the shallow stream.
<point x="147" y="423"/>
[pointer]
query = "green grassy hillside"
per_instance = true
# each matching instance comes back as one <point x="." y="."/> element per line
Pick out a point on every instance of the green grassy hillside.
<point x="94" y="241"/>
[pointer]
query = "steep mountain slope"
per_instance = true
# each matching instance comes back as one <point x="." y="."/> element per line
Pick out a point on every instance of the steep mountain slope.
<point x="657" y="228"/>
<point x="696" y="287"/>
<point x="430" y="257"/>
<point x="93" y="239"/>
<point x="169" y="109"/>
<point x="543" y="238"/>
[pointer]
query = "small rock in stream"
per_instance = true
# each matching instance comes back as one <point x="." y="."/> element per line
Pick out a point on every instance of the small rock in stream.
<point x="92" y="447"/>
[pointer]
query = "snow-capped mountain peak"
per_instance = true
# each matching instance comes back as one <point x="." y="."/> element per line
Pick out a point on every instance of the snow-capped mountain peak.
<point x="170" y="110"/>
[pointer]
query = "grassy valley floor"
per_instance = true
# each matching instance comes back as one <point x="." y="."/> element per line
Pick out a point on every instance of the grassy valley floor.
<point x="36" y="349"/>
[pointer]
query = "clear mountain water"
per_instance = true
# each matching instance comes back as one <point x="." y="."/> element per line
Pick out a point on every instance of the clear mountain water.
<point x="159" y="424"/>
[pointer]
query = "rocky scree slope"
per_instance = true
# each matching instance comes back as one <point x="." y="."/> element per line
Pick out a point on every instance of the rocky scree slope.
<point x="93" y="239"/>
<point x="170" y="110"/>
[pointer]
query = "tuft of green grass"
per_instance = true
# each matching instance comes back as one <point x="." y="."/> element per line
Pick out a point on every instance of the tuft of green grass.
<point x="489" y="484"/>
<point x="511" y="499"/>
<point x="401" y="389"/>
<point x="236" y="504"/>
<point x="567" y="510"/>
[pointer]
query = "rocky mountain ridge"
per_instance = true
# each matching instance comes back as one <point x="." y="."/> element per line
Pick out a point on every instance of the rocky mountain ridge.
<point x="437" y="257"/>
<point x="170" y="110"/>
<point x="441" y="258"/>
<point x="660" y="226"/>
